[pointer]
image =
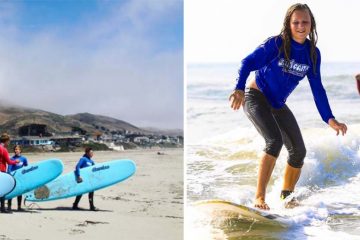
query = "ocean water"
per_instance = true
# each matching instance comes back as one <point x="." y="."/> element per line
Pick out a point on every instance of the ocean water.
<point x="223" y="149"/>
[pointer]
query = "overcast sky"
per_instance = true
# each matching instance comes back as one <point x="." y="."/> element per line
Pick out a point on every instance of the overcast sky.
<point x="122" y="59"/>
<point x="228" y="30"/>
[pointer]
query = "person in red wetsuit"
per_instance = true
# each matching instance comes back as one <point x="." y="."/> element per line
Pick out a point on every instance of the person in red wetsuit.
<point x="5" y="159"/>
<point x="358" y="82"/>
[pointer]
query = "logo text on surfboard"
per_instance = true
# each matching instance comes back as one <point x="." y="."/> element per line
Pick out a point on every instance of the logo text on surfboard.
<point x="95" y="169"/>
<point x="29" y="170"/>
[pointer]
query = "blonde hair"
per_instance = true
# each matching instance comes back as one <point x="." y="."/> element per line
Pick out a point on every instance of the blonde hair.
<point x="4" y="137"/>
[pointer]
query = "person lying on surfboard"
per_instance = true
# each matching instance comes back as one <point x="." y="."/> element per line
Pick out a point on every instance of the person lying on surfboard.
<point x="4" y="159"/>
<point x="280" y="63"/>
<point x="23" y="162"/>
<point x="84" y="162"/>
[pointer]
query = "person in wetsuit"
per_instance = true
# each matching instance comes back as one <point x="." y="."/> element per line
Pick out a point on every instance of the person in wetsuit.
<point x="85" y="161"/>
<point x="279" y="64"/>
<point x="4" y="160"/>
<point x="23" y="162"/>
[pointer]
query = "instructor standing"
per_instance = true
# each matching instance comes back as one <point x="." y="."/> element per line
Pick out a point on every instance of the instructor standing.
<point x="4" y="159"/>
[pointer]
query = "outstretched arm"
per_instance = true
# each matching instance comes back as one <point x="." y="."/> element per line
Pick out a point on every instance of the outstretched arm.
<point x="318" y="91"/>
<point x="261" y="56"/>
<point x="7" y="158"/>
<point x="321" y="99"/>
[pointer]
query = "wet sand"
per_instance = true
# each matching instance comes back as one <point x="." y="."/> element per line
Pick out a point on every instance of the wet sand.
<point x="149" y="205"/>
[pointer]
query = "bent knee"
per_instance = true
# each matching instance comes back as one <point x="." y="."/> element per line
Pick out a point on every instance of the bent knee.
<point x="274" y="147"/>
<point x="296" y="158"/>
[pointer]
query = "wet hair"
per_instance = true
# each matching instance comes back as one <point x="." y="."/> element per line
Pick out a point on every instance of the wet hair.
<point x="285" y="34"/>
<point x="4" y="137"/>
<point x="17" y="146"/>
<point x="87" y="150"/>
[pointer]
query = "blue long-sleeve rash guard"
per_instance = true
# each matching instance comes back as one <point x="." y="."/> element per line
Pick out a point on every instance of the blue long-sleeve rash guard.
<point x="277" y="82"/>
<point x="22" y="163"/>
<point x="85" y="161"/>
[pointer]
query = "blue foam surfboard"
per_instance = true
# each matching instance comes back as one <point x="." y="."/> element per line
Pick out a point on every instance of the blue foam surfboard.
<point x="35" y="175"/>
<point x="7" y="183"/>
<point x="98" y="176"/>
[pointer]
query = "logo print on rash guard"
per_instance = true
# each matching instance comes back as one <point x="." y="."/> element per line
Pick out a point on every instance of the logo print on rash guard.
<point x="293" y="67"/>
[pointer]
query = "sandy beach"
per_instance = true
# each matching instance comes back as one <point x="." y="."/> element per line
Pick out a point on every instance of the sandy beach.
<point x="149" y="205"/>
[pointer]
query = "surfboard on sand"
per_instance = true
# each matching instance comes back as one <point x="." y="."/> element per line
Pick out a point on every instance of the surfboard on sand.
<point x="216" y="208"/>
<point x="98" y="176"/>
<point x="35" y="175"/>
<point x="7" y="183"/>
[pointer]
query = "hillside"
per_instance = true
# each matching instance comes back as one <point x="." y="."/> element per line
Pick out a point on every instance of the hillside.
<point x="167" y="132"/>
<point x="14" y="117"/>
<point x="104" y="123"/>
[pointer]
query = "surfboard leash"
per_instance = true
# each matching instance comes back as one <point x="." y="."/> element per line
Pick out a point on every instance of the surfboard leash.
<point x="31" y="206"/>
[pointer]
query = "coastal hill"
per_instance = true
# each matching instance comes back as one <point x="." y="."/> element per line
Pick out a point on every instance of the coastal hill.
<point x="12" y="118"/>
<point x="91" y="123"/>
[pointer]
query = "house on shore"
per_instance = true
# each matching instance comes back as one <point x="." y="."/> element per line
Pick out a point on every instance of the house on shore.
<point x="32" y="141"/>
<point x="47" y="141"/>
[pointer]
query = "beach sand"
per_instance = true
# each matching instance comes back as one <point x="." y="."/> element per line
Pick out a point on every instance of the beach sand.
<point x="149" y="205"/>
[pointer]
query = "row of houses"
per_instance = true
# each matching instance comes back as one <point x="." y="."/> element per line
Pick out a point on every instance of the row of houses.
<point x="112" y="141"/>
<point x="47" y="141"/>
<point x="38" y="135"/>
<point x="142" y="139"/>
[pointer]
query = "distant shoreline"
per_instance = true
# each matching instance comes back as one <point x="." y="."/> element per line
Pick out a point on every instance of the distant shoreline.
<point x="137" y="150"/>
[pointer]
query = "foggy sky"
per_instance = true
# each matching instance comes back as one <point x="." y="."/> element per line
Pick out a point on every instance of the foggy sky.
<point x="122" y="59"/>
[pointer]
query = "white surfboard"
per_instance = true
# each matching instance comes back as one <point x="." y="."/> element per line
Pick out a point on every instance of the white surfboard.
<point x="7" y="183"/>
<point x="216" y="208"/>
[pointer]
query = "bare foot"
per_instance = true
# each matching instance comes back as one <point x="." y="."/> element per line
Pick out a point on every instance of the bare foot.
<point x="260" y="203"/>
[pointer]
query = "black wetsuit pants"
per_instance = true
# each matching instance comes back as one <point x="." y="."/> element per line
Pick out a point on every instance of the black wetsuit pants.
<point x="91" y="199"/>
<point x="19" y="199"/>
<point x="2" y="203"/>
<point x="276" y="126"/>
